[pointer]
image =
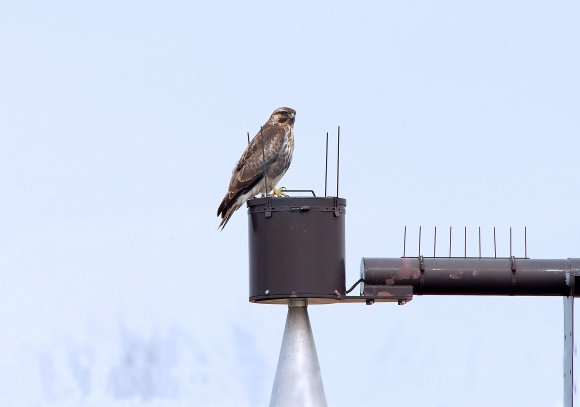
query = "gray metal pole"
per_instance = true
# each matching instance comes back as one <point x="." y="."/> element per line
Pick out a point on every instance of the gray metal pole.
<point x="298" y="382"/>
<point x="569" y="351"/>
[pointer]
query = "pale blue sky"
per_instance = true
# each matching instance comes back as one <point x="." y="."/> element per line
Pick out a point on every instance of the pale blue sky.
<point x="120" y="123"/>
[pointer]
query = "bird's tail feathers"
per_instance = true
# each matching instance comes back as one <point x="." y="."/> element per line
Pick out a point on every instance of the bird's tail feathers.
<point x="231" y="203"/>
<point x="227" y="208"/>
<point x="223" y="206"/>
<point x="226" y="215"/>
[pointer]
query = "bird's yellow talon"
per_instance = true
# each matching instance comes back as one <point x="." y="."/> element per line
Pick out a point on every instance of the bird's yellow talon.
<point x="279" y="192"/>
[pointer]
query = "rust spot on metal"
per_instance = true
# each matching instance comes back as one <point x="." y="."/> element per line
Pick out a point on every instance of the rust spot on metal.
<point x="404" y="273"/>
<point x="407" y="268"/>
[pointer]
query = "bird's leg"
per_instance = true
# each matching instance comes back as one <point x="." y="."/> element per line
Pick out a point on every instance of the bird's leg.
<point x="279" y="192"/>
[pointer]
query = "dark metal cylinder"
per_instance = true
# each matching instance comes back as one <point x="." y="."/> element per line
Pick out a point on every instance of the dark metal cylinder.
<point x="296" y="248"/>
<point x="474" y="276"/>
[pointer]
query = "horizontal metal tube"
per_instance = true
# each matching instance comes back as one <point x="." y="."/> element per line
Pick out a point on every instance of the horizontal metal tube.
<point x="473" y="276"/>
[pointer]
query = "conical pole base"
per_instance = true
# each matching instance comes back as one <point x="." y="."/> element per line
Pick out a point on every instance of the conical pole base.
<point x="298" y="382"/>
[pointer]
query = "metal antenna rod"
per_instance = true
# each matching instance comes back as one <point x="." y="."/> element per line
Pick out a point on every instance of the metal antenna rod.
<point x="494" y="245"/>
<point x="264" y="164"/>
<point x="479" y="241"/>
<point x="449" y="241"/>
<point x="326" y="167"/>
<point x="405" y="242"/>
<point x="338" y="161"/>
<point x="465" y="242"/>
<point x="419" y="240"/>
<point x="248" y="133"/>
<point x="526" y="241"/>
<point x="510" y="241"/>
<point x="435" y="242"/>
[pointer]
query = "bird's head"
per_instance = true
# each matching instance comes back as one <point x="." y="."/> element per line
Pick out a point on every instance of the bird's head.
<point x="283" y="115"/>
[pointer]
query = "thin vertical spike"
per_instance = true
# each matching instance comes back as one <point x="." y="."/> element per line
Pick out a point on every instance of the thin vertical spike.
<point x="264" y="164"/>
<point x="526" y="241"/>
<point x="435" y="243"/>
<point x="326" y="168"/>
<point x="338" y="161"/>
<point x="479" y="241"/>
<point x="248" y="133"/>
<point x="449" y="241"/>
<point x="510" y="241"/>
<point x="419" y="240"/>
<point x="465" y="242"/>
<point x="405" y="242"/>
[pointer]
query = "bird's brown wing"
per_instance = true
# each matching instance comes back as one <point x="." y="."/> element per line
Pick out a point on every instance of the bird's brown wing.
<point x="250" y="168"/>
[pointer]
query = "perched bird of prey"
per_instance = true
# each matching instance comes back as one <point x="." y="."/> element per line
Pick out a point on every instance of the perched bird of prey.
<point x="274" y="143"/>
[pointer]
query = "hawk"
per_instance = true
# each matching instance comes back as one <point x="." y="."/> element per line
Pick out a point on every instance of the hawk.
<point x="275" y="143"/>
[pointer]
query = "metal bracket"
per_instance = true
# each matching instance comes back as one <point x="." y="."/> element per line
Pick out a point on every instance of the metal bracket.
<point x="513" y="263"/>
<point x="268" y="208"/>
<point x="514" y="268"/>
<point x="401" y="294"/>
<point x="422" y="270"/>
